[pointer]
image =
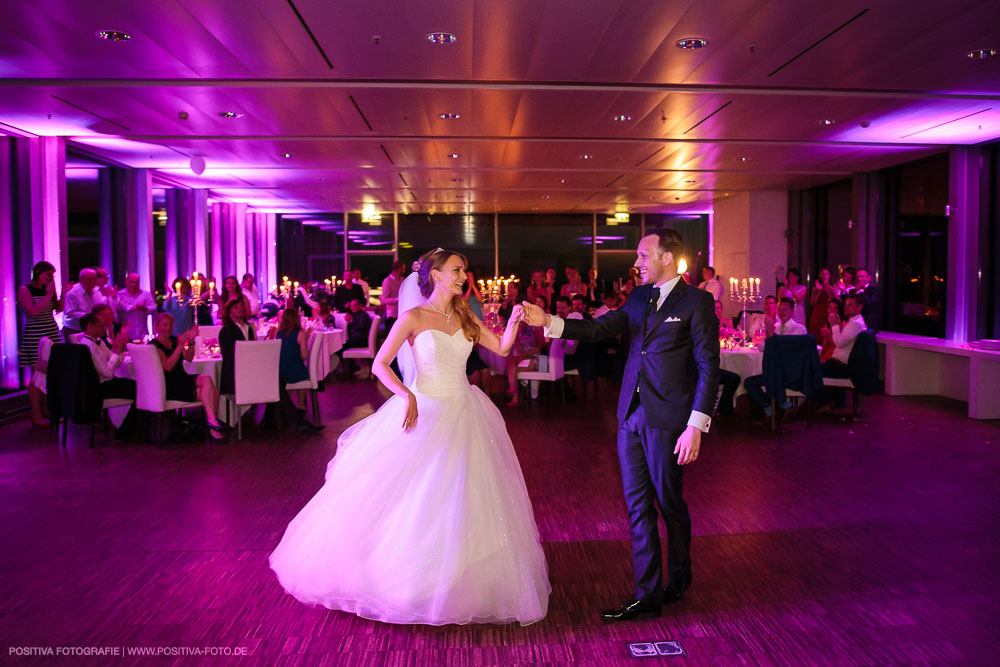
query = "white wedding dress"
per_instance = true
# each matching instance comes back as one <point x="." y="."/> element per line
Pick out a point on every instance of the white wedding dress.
<point x="433" y="526"/>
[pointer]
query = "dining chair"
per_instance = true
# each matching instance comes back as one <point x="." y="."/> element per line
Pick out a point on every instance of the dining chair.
<point x="316" y="348"/>
<point x="151" y="386"/>
<point x="256" y="376"/>
<point x="366" y="352"/>
<point x="555" y="372"/>
<point x="207" y="332"/>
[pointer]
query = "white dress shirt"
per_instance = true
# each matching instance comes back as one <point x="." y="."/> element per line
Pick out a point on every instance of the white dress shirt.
<point x="699" y="420"/>
<point x="105" y="361"/>
<point x="844" y="336"/>
<point x="78" y="303"/>
<point x="712" y="286"/>
<point x="125" y="311"/>
<point x="789" y="328"/>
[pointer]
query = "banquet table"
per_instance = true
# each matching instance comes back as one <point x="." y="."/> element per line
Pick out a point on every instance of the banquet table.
<point x="332" y="340"/>
<point x="742" y="361"/>
<point x="206" y="364"/>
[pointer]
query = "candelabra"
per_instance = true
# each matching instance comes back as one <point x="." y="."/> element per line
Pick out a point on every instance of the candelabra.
<point x="744" y="291"/>
<point x="494" y="292"/>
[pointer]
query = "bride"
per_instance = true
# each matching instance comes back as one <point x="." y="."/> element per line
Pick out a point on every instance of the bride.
<point x="424" y="516"/>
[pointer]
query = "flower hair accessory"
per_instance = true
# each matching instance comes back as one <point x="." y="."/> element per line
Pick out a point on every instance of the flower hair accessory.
<point x="417" y="264"/>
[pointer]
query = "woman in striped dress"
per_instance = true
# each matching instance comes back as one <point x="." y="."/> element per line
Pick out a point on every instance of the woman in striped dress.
<point x="39" y="300"/>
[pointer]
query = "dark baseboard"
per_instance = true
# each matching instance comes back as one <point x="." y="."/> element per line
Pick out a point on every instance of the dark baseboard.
<point x="14" y="407"/>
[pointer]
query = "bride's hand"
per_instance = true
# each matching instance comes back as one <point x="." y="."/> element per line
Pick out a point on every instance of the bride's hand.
<point x="411" y="413"/>
<point x="516" y="316"/>
<point x="532" y="315"/>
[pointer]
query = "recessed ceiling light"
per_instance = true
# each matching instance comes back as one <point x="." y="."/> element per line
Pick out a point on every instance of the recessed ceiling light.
<point x="456" y="180"/>
<point x="459" y="196"/>
<point x="981" y="54"/>
<point x="825" y="121"/>
<point x="440" y="38"/>
<point x="113" y="35"/>
<point x="586" y="156"/>
<point x="286" y="155"/>
<point x="449" y="116"/>
<point x="454" y="155"/>
<point x="744" y="159"/>
<point x="691" y="43"/>
<point x="546" y="196"/>
<point x="562" y="180"/>
<point x="230" y="114"/>
<point x="622" y="118"/>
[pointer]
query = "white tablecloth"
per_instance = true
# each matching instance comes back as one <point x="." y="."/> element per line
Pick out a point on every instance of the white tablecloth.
<point x="743" y="362"/>
<point x="332" y="340"/>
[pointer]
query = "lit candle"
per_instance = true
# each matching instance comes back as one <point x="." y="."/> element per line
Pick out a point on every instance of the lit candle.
<point x="284" y="278"/>
<point x="177" y="287"/>
<point x="211" y="286"/>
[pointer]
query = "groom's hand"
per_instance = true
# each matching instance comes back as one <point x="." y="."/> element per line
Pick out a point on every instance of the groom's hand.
<point x="688" y="445"/>
<point x="534" y="316"/>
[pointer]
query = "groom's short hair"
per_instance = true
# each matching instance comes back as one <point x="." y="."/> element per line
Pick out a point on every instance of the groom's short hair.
<point x="669" y="240"/>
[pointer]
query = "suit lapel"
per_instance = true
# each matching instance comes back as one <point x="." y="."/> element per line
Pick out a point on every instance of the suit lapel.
<point x="676" y="294"/>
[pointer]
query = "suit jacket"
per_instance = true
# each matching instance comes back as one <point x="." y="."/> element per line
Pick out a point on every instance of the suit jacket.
<point x="228" y="335"/>
<point x="676" y="365"/>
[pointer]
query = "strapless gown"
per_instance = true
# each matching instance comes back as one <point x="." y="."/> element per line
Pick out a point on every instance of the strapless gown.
<point x="433" y="526"/>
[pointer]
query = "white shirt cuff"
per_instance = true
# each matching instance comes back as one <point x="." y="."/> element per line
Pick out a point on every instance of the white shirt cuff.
<point x="700" y="421"/>
<point x="555" y="328"/>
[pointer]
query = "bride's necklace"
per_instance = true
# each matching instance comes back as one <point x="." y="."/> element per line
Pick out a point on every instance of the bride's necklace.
<point x="447" y="316"/>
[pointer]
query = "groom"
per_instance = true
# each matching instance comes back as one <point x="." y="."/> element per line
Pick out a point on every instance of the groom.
<point x="668" y="394"/>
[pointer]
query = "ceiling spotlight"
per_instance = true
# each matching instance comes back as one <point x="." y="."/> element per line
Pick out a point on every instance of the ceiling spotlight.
<point x="622" y="118"/>
<point x="440" y="38"/>
<point x="825" y="122"/>
<point x="744" y="159"/>
<point x="449" y="116"/>
<point x="112" y="35"/>
<point x="454" y="156"/>
<point x="562" y="180"/>
<point x="692" y="43"/>
<point x="456" y="180"/>
<point x="286" y="155"/>
<point x="586" y="156"/>
<point x="230" y="114"/>
<point x="546" y="196"/>
<point x="981" y="54"/>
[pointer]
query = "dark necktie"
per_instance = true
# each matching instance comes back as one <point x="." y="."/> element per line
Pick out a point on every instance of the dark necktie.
<point x="654" y="296"/>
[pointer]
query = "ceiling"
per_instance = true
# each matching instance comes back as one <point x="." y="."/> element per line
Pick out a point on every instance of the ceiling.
<point x="339" y="103"/>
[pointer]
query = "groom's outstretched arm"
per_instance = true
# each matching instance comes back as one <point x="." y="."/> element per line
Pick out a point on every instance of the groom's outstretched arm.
<point x="606" y="326"/>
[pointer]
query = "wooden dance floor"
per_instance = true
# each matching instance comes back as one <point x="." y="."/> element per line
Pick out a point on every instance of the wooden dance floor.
<point x="872" y="542"/>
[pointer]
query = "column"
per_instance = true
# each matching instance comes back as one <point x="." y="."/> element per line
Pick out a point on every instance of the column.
<point x="187" y="218"/>
<point x="965" y="268"/>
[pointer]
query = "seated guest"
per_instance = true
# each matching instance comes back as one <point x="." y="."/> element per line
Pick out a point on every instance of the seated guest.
<point x="132" y="305"/>
<point x="291" y="369"/>
<point x="346" y="292"/>
<point x="174" y="350"/>
<point x="234" y="328"/>
<point x="832" y="308"/>
<point x="179" y="304"/>
<point x="107" y="357"/>
<point x="756" y="323"/>
<point x="784" y="325"/>
<point x="842" y="335"/>
<point x="609" y="302"/>
<point x="107" y="317"/>
<point x="528" y="346"/>
<point x="231" y="290"/>
<point x="359" y="324"/>
<point x="542" y="303"/>
<point x="587" y="352"/>
<point x="512" y="299"/>
<point x="710" y="283"/>
<point x="324" y="315"/>
<point x="726" y="327"/>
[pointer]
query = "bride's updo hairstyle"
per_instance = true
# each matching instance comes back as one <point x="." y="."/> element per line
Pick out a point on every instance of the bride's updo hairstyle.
<point x="436" y="259"/>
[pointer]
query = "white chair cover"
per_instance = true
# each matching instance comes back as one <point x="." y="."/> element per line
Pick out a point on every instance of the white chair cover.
<point x="38" y="377"/>
<point x="256" y="365"/>
<point x="151" y="385"/>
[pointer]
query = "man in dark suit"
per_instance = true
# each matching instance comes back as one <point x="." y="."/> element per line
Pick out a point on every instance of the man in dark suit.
<point x="667" y="398"/>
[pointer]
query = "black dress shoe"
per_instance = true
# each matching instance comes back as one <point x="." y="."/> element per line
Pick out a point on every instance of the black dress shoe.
<point x="306" y="427"/>
<point x="632" y="609"/>
<point x="674" y="590"/>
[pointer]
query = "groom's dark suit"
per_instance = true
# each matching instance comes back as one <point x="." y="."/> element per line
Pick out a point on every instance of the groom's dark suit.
<point x="672" y="369"/>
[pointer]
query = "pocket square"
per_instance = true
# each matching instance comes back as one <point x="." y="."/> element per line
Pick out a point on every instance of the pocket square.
<point x="672" y="319"/>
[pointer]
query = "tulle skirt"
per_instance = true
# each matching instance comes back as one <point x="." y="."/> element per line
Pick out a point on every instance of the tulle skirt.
<point x="433" y="526"/>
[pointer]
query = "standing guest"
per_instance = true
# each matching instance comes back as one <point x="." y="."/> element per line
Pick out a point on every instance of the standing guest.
<point x="346" y="292"/>
<point x="473" y="295"/>
<point x="390" y="293"/>
<point x="574" y="284"/>
<point x="39" y="301"/>
<point x="595" y="286"/>
<point x="234" y="328"/>
<point x="79" y="301"/>
<point x="537" y="288"/>
<point x="303" y="302"/>
<point x="842" y="335"/>
<point x="106" y="360"/>
<point x="363" y="284"/>
<point x="291" y="369"/>
<point x="627" y="288"/>
<point x="231" y="290"/>
<point x="872" y="311"/>
<point x="551" y="288"/>
<point x="249" y="287"/>
<point x="823" y="293"/>
<point x="180" y="305"/>
<point x="793" y="289"/>
<point x="512" y="299"/>
<point x="132" y="305"/>
<point x="710" y="283"/>
<point x="107" y="291"/>
<point x="845" y="285"/>
<point x="174" y="350"/>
